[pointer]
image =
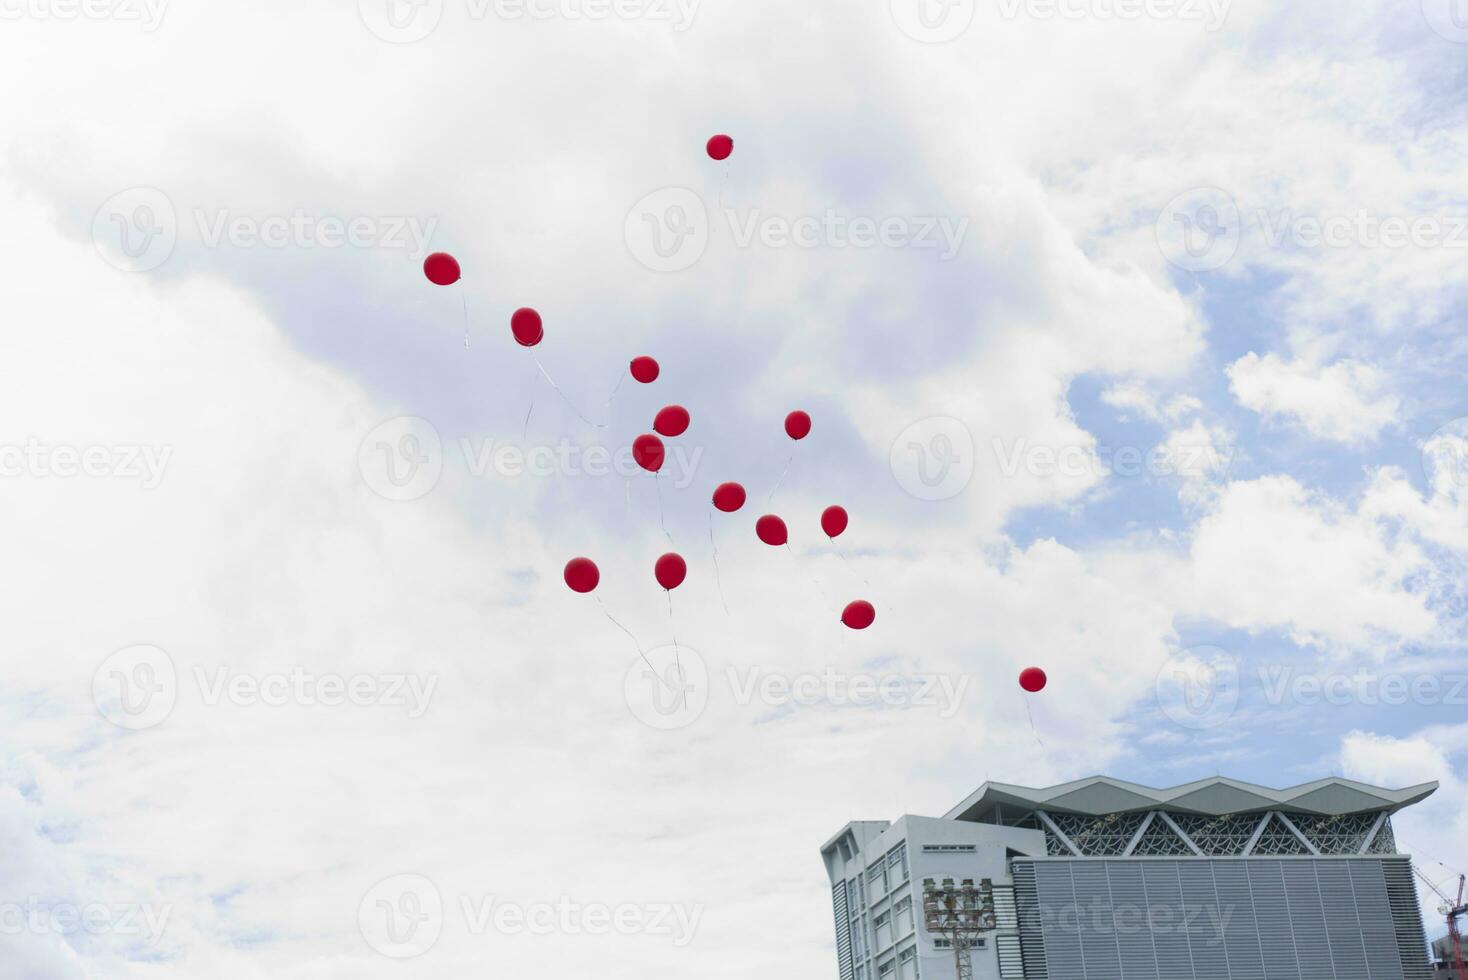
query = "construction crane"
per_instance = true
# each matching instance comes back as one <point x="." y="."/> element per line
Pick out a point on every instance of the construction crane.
<point x="1453" y="909"/>
<point x="961" y="914"/>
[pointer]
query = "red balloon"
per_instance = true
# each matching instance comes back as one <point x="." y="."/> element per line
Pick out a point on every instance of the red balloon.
<point x="833" y="520"/>
<point x="582" y="575"/>
<point x="670" y="570"/>
<point x="859" y="615"/>
<point x="1033" y="679"/>
<point x="441" y="268"/>
<point x="649" y="453"/>
<point x="720" y="147"/>
<point x="771" y="530"/>
<point x="526" y="326"/>
<point x="645" y="369"/>
<point x="797" y="425"/>
<point x="729" y="497"/>
<point x="671" y="421"/>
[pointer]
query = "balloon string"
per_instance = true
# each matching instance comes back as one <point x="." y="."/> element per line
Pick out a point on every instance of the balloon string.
<point x="525" y="429"/>
<point x="465" y="297"/>
<point x="629" y="636"/>
<point x="718" y="579"/>
<point x="673" y="627"/>
<point x="1032" y="725"/>
<point x="783" y="473"/>
<point x="662" y="520"/>
<point x="813" y="577"/>
<point x="569" y="404"/>
<point x="842" y="553"/>
<point x="615" y="388"/>
<point x="627" y="493"/>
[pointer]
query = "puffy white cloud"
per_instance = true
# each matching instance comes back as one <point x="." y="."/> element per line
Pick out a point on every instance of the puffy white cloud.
<point x="1344" y="402"/>
<point x="1272" y="555"/>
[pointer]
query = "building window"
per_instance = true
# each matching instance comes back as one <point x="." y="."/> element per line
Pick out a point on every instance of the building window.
<point x="907" y="967"/>
<point x="897" y="863"/>
<point x="877" y="880"/>
<point x="979" y="943"/>
<point x="885" y="970"/>
<point x="902" y="912"/>
<point x="882" y="926"/>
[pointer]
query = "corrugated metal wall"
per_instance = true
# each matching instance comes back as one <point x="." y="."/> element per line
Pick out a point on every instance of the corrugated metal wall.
<point x="843" y="929"/>
<point x="1219" y="919"/>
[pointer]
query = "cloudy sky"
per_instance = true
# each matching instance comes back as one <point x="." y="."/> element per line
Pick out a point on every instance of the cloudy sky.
<point x="1133" y="339"/>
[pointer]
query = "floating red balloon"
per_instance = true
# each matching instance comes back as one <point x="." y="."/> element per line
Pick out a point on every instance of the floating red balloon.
<point x="720" y="147"/>
<point x="1033" y="679"/>
<point x="645" y="370"/>
<point x="729" y="497"/>
<point x="671" y="570"/>
<point x="833" y="520"/>
<point x="441" y="268"/>
<point x="649" y="453"/>
<point x="671" y="421"/>
<point x="797" y="425"/>
<point x="525" y="324"/>
<point x="771" y="530"/>
<point x="859" y="615"/>
<point x="582" y="575"/>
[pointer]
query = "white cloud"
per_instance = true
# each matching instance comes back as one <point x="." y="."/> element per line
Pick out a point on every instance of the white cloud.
<point x="1344" y="402"/>
<point x="1272" y="555"/>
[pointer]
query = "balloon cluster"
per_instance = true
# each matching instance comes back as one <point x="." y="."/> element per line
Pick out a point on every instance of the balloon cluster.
<point x="649" y="452"/>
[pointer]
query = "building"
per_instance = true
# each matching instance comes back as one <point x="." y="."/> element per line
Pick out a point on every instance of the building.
<point x="1444" y="961"/>
<point x="1106" y="880"/>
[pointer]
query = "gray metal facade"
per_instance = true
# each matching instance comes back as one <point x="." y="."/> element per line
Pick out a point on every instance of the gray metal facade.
<point x="1257" y="918"/>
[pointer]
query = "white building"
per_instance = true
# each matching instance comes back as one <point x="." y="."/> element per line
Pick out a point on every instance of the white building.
<point x="1106" y="880"/>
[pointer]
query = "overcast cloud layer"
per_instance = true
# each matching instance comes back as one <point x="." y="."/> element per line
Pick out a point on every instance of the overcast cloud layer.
<point x="1134" y="348"/>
